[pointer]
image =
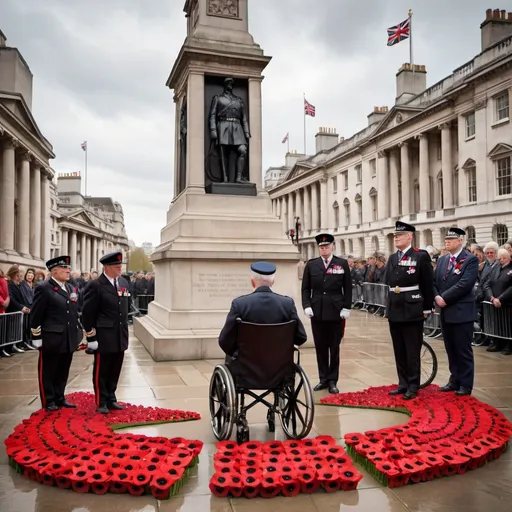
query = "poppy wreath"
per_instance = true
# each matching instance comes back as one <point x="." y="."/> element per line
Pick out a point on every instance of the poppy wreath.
<point x="446" y="435"/>
<point x="281" y="468"/>
<point x="79" y="449"/>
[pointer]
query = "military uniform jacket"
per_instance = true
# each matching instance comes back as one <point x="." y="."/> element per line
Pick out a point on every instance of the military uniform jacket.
<point x="107" y="311"/>
<point x="414" y="269"/>
<point x="457" y="287"/>
<point x="228" y="118"/>
<point x="55" y="312"/>
<point x="327" y="290"/>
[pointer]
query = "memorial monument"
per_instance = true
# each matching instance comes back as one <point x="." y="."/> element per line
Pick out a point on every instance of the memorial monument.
<point x="220" y="219"/>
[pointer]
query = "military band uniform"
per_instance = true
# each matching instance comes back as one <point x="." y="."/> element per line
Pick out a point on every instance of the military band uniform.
<point x="327" y="290"/>
<point x="55" y="331"/>
<point x="409" y="276"/>
<point x="455" y="284"/>
<point x="105" y="320"/>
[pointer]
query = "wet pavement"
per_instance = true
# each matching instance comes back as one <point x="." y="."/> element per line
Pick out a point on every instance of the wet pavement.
<point x="367" y="360"/>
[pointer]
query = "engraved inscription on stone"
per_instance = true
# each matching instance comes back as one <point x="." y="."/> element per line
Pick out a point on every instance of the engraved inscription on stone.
<point x="225" y="8"/>
<point x="214" y="285"/>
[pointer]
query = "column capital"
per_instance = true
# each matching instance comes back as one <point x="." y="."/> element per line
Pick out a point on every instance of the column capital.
<point x="11" y="143"/>
<point x="323" y="179"/>
<point x="403" y="144"/>
<point x="382" y="154"/>
<point x="27" y="155"/>
<point x="421" y="136"/>
<point x="444" y="126"/>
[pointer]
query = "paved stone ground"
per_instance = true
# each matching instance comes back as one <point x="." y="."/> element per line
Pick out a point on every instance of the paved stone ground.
<point x="367" y="360"/>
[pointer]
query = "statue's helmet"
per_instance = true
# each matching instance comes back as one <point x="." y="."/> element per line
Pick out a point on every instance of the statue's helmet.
<point x="229" y="81"/>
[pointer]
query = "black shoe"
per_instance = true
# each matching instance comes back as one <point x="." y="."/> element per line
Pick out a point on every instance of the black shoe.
<point x="28" y="346"/>
<point x="115" y="406"/>
<point x="67" y="405"/>
<point x="448" y="387"/>
<point x="333" y="389"/>
<point x="89" y="351"/>
<point x="409" y="395"/>
<point x="17" y="349"/>
<point x="399" y="391"/>
<point x="462" y="391"/>
<point x="320" y="386"/>
<point x="508" y="350"/>
<point x="52" y="408"/>
<point x="102" y="409"/>
<point x="493" y="348"/>
<point x="3" y="353"/>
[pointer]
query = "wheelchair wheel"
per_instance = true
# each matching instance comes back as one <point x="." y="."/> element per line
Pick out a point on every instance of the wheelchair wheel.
<point x="428" y="365"/>
<point x="223" y="402"/>
<point x="296" y="406"/>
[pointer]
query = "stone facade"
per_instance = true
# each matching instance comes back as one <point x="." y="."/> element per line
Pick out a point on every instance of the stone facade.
<point x="440" y="157"/>
<point x="85" y="227"/>
<point x="25" y="171"/>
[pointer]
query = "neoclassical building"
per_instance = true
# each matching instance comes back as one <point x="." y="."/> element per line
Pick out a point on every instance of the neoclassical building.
<point x="25" y="171"/>
<point x="440" y="157"/>
<point x="85" y="227"/>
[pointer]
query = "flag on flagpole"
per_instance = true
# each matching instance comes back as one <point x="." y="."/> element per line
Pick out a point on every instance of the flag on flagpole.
<point x="309" y="110"/>
<point x="286" y="138"/>
<point x="399" y="32"/>
<point x="84" y="145"/>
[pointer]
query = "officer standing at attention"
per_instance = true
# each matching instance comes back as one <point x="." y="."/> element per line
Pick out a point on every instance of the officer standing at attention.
<point x="54" y="326"/>
<point x="410" y="278"/>
<point x="327" y="299"/>
<point x="105" y="320"/>
<point x="456" y="275"/>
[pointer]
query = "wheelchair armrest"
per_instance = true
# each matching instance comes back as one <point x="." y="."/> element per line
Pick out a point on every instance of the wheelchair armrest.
<point x="296" y="349"/>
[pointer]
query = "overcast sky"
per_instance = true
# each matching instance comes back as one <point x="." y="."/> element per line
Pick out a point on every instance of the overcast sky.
<point x="100" y="68"/>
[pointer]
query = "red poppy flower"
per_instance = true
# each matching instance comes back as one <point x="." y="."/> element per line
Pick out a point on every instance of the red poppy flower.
<point x="270" y="486"/>
<point x="223" y="446"/>
<point x="220" y="485"/>
<point x="290" y="485"/>
<point x="308" y="482"/>
<point x="236" y="487"/>
<point x="354" y="438"/>
<point x="251" y="486"/>
<point x="326" y="441"/>
<point x="161" y="486"/>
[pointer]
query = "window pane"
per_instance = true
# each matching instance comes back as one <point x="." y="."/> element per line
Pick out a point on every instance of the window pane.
<point x="470" y="125"/>
<point x="502" y="106"/>
<point x="504" y="176"/>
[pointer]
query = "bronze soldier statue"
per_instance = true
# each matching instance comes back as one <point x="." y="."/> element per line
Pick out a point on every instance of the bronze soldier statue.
<point x="229" y="130"/>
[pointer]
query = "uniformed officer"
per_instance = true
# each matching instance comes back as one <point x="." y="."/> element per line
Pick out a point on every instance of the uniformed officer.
<point x="327" y="299"/>
<point x="455" y="278"/>
<point x="263" y="306"/>
<point x="54" y="326"/>
<point x="105" y="320"/>
<point x="410" y="279"/>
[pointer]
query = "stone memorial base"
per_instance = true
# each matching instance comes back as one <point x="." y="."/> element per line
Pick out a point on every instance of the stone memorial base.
<point x="203" y="263"/>
<point x="232" y="189"/>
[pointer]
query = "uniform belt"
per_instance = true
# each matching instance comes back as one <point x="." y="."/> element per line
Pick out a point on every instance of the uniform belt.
<point x="229" y="119"/>
<point x="400" y="289"/>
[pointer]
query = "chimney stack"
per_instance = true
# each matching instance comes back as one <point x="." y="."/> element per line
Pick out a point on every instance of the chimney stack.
<point x="326" y="139"/>
<point x="292" y="158"/>
<point x="497" y="26"/>
<point x="411" y="80"/>
<point x="378" y="114"/>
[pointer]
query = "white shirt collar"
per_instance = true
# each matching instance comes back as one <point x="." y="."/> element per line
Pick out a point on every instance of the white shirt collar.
<point x="457" y="254"/>
<point x="112" y="280"/>
<point x="329" y="259"/>
<point x="405" y="250"/>
<point x="61" y="284"/>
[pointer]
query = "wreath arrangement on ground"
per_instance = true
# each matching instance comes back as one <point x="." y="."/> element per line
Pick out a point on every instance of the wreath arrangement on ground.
<point x="445" y="435"/>
<point x="288" y="468"/>
<point x="79" y="449"/>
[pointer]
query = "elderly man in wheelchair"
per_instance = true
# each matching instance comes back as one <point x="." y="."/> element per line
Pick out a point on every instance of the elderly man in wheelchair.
<point x="259" y="339"/>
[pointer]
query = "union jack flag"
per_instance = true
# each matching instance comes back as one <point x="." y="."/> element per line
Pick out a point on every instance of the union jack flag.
<point x="84" y="145"/>
<point x="399" y="32"/>
<point x="309" y="109"/>
<point x="286" y="138"/>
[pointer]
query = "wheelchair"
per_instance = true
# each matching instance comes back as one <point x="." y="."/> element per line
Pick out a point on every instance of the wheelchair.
<point x="266" y="371"/>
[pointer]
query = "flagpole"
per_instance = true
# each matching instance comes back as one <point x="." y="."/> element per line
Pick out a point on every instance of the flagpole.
<point x="410" y="37"/>
<point x="304" y="110"/>
<point x="288" y="143"/>
<point x="85" y="170"/>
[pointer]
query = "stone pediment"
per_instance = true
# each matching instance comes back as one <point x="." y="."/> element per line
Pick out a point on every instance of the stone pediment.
<point x="395" y="117"/>
<point x="18" y="108"/>
<point x="469" y="164"/>
<point x="83" y="217"/>
<point x="500" y="150"/>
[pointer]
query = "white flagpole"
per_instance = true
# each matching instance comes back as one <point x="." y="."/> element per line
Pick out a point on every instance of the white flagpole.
<point x="288" y="142"/>
<point x="410" y="37"/>
<point x="304" y="110"/>
<point x="85" y="170"/>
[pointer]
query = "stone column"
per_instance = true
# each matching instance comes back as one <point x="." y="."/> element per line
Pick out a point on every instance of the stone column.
<point x="284" y="213"/>
<point x="7" y="195"/>
<point x="298" y="208"/>
<point x="394" y="192"/>
<point x="95" y="257"/>
<point x="83" y="252"/>
<point x="383" y="185"/>
<point x="45" y="217"/>
<point x="424" y="173"/>
<point x="35" y="212"/>
<point x="314" y="208"/>
<point x="291" y="210"/>
<point x="255" y="127"/>
<point x="64" y="243"/>
<point x="446" y="164"/>
<point x="72" y="250"/>
<point x="195" y="133"/>
<point x="406" y="178"/>
<point x="324" y="210"/>
<point x="88" y="250"/>
<point x="306" y="223"/>
<point x="24" y="205"/>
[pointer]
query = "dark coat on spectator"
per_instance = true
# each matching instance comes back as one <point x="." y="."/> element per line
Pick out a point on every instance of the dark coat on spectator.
<point x="501" y="284"/>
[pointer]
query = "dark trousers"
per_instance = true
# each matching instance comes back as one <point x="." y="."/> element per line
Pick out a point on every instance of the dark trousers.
<point x="53" y="376"/>
<point x="105" y="376"/>
<point x="407" y="339"/>
<point x="457" y="342"/>
<point x="327" y="337"/>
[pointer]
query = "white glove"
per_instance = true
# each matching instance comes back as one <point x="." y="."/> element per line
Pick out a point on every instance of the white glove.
<point x="37" y="343"/>
<point x="309" y="312"/>
<point x="344" y="313"/>
<point x="93" y="345"/>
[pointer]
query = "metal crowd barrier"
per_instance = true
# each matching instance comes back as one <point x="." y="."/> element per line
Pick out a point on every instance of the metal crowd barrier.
<point x="375" y="297"/>
<point x="142" y="303"/>
<point x="497" y="322"/>
<point x="11" y="328"/>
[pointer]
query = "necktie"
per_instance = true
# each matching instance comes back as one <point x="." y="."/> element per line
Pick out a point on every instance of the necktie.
<point x="115" y="284"/>
<point x="326" y="263"/>
<point x="452" y="263"/>
<point x="400" y="255"/>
